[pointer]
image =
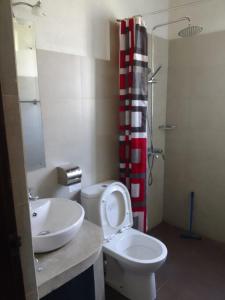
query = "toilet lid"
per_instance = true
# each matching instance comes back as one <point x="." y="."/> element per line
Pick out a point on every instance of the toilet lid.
<point x="115" y="210"/>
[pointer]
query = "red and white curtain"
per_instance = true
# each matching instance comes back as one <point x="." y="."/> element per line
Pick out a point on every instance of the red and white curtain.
<point x="133" y="111"/>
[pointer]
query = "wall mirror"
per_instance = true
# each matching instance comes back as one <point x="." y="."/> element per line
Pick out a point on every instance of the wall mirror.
<point x="29" y="99"/>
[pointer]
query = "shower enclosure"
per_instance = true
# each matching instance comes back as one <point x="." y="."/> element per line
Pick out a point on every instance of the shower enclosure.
<point x="157" y="125"/>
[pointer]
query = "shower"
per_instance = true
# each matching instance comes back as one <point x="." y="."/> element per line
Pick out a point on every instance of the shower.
<point x="189" y="31"/>
<point x="152" y="75"/>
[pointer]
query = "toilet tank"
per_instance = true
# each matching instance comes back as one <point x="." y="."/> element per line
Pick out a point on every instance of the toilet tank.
<point x="90" y="198"/>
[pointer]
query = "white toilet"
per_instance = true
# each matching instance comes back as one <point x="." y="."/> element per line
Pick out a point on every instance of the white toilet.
<point x="132" y="256"/>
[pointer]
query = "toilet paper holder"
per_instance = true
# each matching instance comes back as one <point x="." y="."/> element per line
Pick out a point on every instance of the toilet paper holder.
<point x="69" y="174"/>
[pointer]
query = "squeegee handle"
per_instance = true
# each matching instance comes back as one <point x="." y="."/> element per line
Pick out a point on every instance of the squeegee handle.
<point x="192" y="196"/>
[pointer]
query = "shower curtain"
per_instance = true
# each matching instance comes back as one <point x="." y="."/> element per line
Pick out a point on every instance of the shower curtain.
<point x="133" y="110"/>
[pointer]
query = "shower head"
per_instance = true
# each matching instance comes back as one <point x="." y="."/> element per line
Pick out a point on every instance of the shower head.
<point x="186" y="32"/>
<point x="190" y="31"/>
<point x="152" y="75"/>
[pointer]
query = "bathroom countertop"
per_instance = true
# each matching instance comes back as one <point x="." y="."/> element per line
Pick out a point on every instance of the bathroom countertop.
<point x="62" y="265"/>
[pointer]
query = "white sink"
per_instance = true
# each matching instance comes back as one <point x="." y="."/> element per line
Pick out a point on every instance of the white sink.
<point x="54" y="222"/>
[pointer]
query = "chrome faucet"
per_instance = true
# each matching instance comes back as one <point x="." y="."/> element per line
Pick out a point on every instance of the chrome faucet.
<point x="31" y="197"/>
<point x="156" y="153"/>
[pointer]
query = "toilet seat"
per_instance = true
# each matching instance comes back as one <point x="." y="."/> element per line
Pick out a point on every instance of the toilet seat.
<point x="115" y="210"/>
<point x="136" y="248"/>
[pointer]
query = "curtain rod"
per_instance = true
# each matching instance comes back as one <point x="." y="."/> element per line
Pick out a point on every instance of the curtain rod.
<point x="170" y="8"/>
<point x="136" y="16"/>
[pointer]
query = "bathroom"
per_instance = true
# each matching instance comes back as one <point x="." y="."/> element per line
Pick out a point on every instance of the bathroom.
<point x="59" y="77"/>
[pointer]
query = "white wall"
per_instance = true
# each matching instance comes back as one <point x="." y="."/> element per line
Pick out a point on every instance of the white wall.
<point x="81" y="27"/>
<point x="78" y="27"/>
<point x="78" y="89"/>
<point x="80" y="115"/>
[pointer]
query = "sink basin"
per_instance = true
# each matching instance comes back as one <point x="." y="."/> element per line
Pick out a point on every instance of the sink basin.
<point x="54" y="222"/>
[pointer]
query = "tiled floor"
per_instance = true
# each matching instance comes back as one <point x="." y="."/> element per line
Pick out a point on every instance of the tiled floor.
<point x="194" y="270"/>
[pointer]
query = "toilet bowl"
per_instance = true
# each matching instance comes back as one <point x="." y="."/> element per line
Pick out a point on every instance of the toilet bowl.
<point x="132" y="257"/>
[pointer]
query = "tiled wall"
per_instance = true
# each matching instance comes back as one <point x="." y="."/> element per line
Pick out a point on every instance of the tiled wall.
<point x="155" y="192"/>
<point x="79" y="99"/>
<point x="15" y="147"/>
<point x="195" y="150"/>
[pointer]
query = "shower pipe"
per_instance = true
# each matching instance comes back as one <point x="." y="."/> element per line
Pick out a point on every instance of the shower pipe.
<point x="151" y="150"/>
<point x="153" y="55"/>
